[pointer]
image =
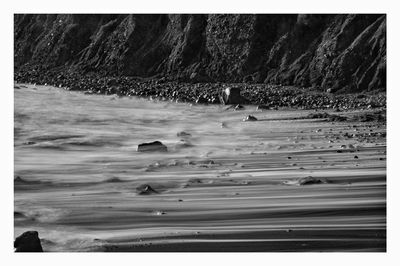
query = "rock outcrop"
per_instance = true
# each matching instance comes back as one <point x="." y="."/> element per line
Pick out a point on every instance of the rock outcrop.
<point x="28" y="242"/>
<point x="343" y="52"/>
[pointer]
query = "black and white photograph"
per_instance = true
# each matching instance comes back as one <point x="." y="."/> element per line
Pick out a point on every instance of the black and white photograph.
<point x="199" y="132"/>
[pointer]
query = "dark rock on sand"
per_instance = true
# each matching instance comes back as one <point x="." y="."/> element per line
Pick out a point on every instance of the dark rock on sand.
<point x="145" y="189"/>
<point x="231" y="95"/>
<point x="28" y="242"/>
<point x="155" y="146"/>
<point x="308" y="181"/>
<point x="249" y="118"/>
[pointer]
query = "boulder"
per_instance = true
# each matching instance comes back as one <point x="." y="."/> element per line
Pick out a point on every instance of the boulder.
<point x="28" y="242"/>
<point x="155" y="146"/>
<point x="231" y="95"/>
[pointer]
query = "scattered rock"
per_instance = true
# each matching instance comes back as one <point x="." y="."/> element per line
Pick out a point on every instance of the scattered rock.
<point x="155" y="146"/>
<point x="28" y="242"/>
<point x="267" y="95"/>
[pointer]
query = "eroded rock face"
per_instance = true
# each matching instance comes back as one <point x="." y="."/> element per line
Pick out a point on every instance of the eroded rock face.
<point x="28" y="242"/>
<point x="155" y="146"/>
<point x="343" y="52"/>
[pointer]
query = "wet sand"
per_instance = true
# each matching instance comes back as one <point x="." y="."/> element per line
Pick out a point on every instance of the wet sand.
<point x="228" y="186"/>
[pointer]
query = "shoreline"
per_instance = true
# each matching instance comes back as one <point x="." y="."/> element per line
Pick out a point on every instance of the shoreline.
<point x="266" y="95"/>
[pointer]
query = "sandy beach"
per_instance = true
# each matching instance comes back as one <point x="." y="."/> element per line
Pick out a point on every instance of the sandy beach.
<point x="281" y="183"/>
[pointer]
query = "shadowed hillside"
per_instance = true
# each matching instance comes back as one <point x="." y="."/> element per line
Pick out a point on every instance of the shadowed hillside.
<point x="345" y="53"/>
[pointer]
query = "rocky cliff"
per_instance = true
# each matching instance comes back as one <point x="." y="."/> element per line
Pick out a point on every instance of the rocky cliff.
<point x="345" y="53"/>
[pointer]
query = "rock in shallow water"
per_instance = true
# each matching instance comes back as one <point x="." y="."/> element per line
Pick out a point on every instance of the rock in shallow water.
<point x="145" y="189"/>
<point x="28" y="242"/>
<point x="249" y="118"/>
<point x="231" y="95"/>
<point x="152" y="147"/>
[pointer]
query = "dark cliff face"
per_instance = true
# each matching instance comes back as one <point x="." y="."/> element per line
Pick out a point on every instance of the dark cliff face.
<point x="340" y="52"/>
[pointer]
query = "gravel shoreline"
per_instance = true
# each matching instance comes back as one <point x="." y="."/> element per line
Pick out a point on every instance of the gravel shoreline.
<point x="269" y="96"/>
